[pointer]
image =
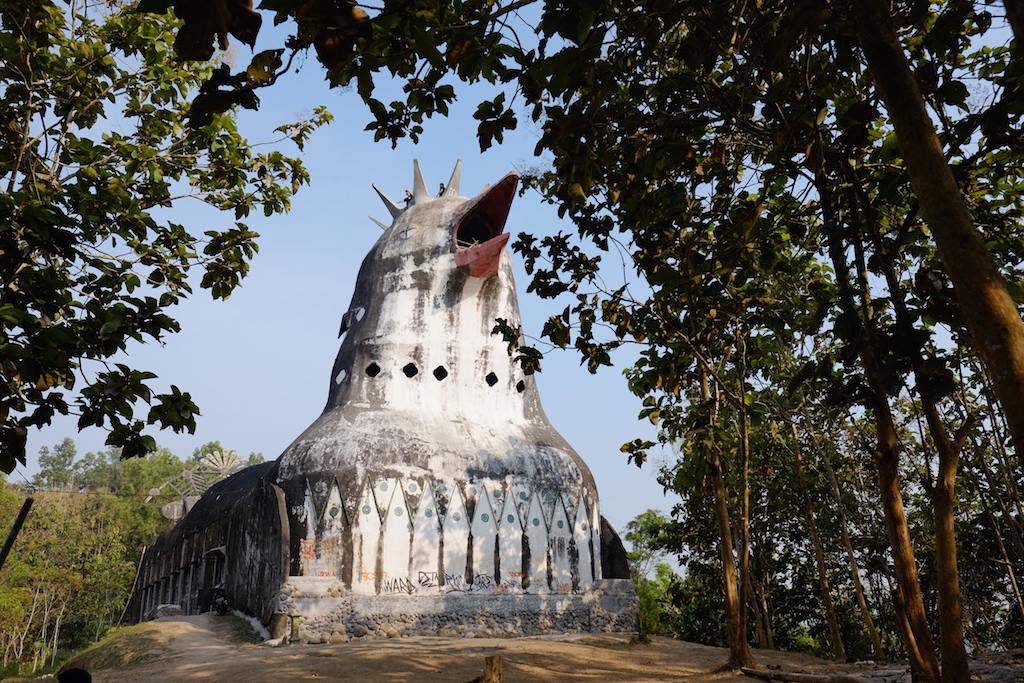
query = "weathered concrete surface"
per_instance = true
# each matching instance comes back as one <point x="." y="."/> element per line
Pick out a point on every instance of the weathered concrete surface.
<point x="324" y="610"/>
<point x="235" y="536"/>
<point x="432" y="437"/>
<point x="433" y="483"/>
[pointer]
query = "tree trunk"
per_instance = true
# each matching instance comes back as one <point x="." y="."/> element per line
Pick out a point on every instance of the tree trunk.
<point x="735" y="613"/>
<point x="764" y="614"/>
<point x="759" y="606"/>
<point x="492" y="670"/>
<point x="1015" y="15"/>
<point x="1006" y="559"/>
<point x="924" y="665"/>
<point x="902" y="624"/>
<point x="838" y="650"/>
<point x="746" y="585"/>
<point x="1004" y="509"/>
<point x="56" y="634"/>
<point x="23" y="635"/>
<point x="858" y="587"/>
<point x="955" y="668"/>
<point x="754" y="605"/>
<point x="951" y="631"/>
<point x="1009" y="480"/>
<point x="990" y="312"/>
<point x="795" y="677"/>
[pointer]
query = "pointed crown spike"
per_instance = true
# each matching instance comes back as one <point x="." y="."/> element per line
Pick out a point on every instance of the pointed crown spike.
<point x="393" y="208"/>
<point x="382" y="226"/>
<point x="420" y="193"/>
<point x="452" y="188"/>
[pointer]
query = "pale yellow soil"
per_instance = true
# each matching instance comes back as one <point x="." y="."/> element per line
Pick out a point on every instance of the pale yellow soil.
<point x="203" y="648"/>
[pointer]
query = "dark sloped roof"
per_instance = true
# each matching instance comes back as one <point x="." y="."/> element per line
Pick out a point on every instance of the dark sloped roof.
<point x="222" y="497"/>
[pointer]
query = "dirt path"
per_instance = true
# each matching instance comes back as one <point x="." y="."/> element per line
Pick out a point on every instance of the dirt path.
<point x="203" y="648"/>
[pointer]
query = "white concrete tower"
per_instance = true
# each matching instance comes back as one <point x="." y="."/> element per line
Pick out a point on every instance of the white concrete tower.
<point x="433" y="465"/>
<point x="432" y="490"/>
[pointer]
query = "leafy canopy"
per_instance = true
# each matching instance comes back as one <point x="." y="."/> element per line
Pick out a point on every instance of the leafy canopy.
<point x="765" y="170"/>
<point x="94" y="148"/>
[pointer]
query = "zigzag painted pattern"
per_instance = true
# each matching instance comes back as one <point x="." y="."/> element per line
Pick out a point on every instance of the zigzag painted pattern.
<point x="434" y="537"/>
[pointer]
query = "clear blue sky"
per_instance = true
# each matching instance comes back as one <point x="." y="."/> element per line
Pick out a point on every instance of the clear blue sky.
<point x="259" y="364"/>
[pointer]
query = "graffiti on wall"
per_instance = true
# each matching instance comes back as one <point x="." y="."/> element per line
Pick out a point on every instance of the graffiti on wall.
<point x="432" y="582"/>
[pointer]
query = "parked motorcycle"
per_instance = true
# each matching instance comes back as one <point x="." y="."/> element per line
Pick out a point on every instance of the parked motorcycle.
<point x="220" y="600"/>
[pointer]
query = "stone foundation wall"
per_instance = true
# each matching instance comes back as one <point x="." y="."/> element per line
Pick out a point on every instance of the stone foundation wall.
<point x="329" y="615"/>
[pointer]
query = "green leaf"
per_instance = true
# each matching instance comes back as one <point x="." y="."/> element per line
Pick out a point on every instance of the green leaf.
<point x="89" y="263"/>
<point x="262" y="70"/>
<point x="954" y="92"/>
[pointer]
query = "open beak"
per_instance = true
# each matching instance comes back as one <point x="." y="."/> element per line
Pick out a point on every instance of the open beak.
<point x="480" y="235"/>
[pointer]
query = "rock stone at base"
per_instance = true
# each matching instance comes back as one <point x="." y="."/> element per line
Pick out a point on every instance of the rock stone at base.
<point x="165" y="611"/>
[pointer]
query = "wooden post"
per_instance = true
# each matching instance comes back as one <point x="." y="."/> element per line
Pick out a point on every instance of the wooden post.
<point x="15" y="529"/>
<point x="492" y="670"/>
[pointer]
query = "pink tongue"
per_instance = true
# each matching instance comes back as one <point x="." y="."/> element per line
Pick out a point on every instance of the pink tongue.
<point x="482" y="260"/>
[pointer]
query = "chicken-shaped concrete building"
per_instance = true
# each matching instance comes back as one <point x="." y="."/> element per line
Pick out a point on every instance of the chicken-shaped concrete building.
<point x="432" y="492"/>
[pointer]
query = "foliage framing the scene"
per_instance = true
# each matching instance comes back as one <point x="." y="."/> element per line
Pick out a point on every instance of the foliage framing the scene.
<point x="821" y="202"/>
<point x="71" y="575"/>
<point x="94" y="148"/>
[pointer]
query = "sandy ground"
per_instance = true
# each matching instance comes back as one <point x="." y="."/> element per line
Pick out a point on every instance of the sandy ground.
<point x="201" y="648"/>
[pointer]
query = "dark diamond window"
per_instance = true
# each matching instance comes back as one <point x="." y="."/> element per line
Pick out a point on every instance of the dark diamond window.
<point x="410" y="370"/>
<point x="491" y="379"/>
<point x="440" y="373"/>
<point x="520" y="386"/>
<point x="372" y="369"/>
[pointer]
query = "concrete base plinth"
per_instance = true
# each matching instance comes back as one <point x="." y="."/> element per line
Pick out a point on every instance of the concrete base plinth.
<point x="611" y="608"/>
